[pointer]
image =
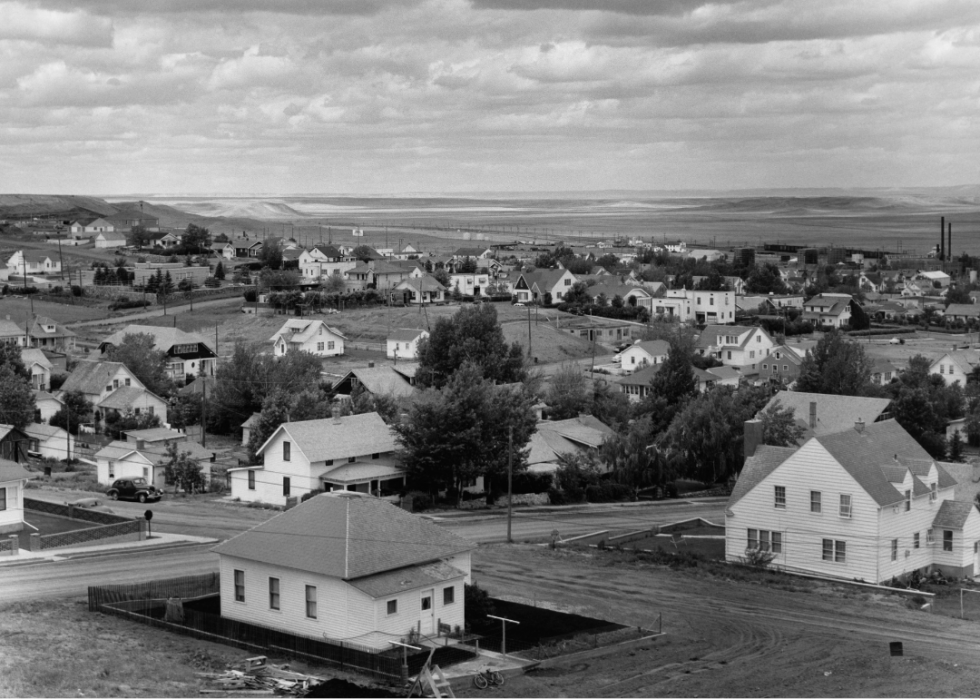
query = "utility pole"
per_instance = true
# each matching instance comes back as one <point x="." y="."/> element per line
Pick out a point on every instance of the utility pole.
<point x="204" y="409"/>
<point x="528" y="331"/>
<point x="510" y="477"/>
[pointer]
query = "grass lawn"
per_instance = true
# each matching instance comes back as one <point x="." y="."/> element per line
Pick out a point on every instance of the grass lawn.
<point x="713" y="549"/>
<point x="45" y="524"/>
<point x="19" y="309"/>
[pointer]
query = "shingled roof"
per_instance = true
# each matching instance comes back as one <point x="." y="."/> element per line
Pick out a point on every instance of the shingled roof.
<point x="12" y="471"/>
<point x="834" y="413"/>
<point x="757" y="467"/>
<point x="91" y="377"/>
<point x="163" y="338"/>
<point x="952" y="514"/>
<point x="345" y="535"/>
<point x="339" y="438"/>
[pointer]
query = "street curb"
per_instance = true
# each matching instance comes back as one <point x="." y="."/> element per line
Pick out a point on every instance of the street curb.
<point x="495" y="512"/>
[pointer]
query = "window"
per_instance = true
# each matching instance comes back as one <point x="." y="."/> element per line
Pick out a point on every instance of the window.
<point x="814" y="501"/>
<point x="751" y="354"/>
<point x="273" y="593"/>
<point x="947" y="539"/>
<point x="3" y="498"/>
<point x="351" y="459"/>
<point x="328" y="462"/>
<point x="845" y="505"/>
<point x="392" y="607"/>
<point x="448" y="595"/>
<point x="729" y="354"/>
<point x="285" y="486"/>
<point x="915" y="540"/>
<point x="376" y="455"/>
<point x="127" y="382"/>
<point x="765" y="540"/>
<point x="330" y="345"/>
<point x="112" y="469"/>
<point x="894" y="549"/>
<point x="319" y="347"/>
<point x="310" y="602"/>
<point x="908" y="500"/>
<point x="930" y="539"/>
<point x="286" y="448"/>
<point x="251" y="479"/>
<point x="932" y="491"/>
<point x="835" y="551"/>
<point x="239" y="585"/>
<point x="781" y="497"/>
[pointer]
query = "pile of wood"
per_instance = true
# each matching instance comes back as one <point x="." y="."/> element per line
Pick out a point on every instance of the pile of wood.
<point x="256" y="676"/>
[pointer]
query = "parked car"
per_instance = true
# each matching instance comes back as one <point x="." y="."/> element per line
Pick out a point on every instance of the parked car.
<point x="91" y="504"/>
<point x="520" y="304"/>
<point x="133" y="489"/>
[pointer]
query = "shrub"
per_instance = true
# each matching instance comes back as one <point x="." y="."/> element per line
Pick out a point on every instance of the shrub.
<point x="420" y="501"/>
<point x="123" y="302"/>
<point x="476" y="604"/>
<point x="608" y="492"/>
<point x="250" y="295"/>
<point x="76" y="290"/>
<point x="757" y="558"/>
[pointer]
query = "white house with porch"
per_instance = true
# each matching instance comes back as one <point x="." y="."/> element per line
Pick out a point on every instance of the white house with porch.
<point x="345" y="566"/>
<point x="13" y="480"/>
<point x="305" y="335"/>
<point x="353" y="452"/>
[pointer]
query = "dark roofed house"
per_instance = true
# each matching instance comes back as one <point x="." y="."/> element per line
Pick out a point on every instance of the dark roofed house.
<point x="346" y="566"/>
<point x="822" y="414"/>
<point x="188" y="354"/>
<point x="866" y="503"/>
<point x="48" y="334"/>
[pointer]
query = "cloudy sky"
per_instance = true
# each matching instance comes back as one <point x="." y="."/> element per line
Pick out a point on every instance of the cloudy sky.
<point x="400" y="96"/>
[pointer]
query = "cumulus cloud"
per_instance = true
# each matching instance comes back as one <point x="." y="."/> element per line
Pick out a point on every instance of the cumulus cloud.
<point x="491" y="94"/>
<point x="73" y="27"/>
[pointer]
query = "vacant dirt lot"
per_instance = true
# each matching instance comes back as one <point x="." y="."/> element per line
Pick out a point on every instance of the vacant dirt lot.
<point x="763" y="636"/>
<point x="729" y="633"/>
<point x="931" y="345"/>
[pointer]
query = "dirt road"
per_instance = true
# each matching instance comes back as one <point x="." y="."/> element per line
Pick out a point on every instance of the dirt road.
<point x="727" y="638"/>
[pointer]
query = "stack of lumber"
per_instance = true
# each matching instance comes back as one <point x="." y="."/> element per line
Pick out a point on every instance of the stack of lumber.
<point x="259" y="678"/>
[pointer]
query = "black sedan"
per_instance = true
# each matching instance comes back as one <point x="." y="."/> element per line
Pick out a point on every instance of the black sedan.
<point x="133" y="489"/>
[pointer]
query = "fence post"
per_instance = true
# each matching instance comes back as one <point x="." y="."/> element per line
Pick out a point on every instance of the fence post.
<point x="142" y="529"/>
<point x="35" y="542"/>
<point x="14" y="544"/>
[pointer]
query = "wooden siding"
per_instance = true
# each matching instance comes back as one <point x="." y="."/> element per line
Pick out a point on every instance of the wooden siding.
<point x="14" y="514"/>
<point x="810" y="468"/>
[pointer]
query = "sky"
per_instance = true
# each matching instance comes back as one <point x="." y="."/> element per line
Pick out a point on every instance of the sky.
<point x="110" y="97"/>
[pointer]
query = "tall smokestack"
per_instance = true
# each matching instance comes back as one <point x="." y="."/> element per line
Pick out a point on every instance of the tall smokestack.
<point x="942" y="238"/>
<point x="949" y="243"/>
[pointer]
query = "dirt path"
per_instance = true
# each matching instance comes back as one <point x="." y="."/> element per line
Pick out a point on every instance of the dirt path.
<point x="727" y="638"/>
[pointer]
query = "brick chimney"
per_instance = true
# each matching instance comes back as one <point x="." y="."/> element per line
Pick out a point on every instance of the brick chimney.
<point x="859" y="425"/>
<point x="335" y="411"/>
<point x="813" y="414"/>
<point x="752" y="437"/>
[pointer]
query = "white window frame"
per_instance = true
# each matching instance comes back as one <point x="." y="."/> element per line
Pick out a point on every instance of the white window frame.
<point x="779" y="497"/>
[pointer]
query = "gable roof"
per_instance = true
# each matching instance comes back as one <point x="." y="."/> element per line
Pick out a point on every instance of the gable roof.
<point x="35" y="356"/>
<point x="952" y="514"/>
<point x="862" y="454"/>
<point x="90" y="376"/>
<point x="964" y="359"/>
<point x="834" y="413"/>
<point x="44" y="432"/>
<point x="299" y="330"/>
<point x="163" y="338"/>
<point x="38" y="330"/>
<point x="420" y="284"/>
<point x="380" y="380"/>
<point x="12" y="471"/>
<point x="110" y="235"/>
<point x="962" y="309"/>
<point x="655" y="348"/>
<point x="709" y="336"/>
<point x="124" y="397"/>
<point x="345" y="535"/>
<point x="757" y="467"/>
<point x="8" y="328"/>
<point x="643" y="377"/>
<point x="545" y="279"/>
<point x="338" y="438"/>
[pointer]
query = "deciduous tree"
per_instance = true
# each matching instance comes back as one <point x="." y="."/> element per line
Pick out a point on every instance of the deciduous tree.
<point x="16" y="398"/>
<point x="149" y="365"/>
<point x="836" y="366"/>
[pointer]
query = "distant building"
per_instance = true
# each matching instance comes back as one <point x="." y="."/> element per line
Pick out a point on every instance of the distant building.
<point x="404" y="343"/>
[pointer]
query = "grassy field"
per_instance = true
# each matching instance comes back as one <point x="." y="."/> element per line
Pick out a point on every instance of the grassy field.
<point x="19" y="309"/>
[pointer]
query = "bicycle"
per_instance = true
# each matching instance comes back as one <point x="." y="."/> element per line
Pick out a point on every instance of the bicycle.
<point x="487" y="678"/>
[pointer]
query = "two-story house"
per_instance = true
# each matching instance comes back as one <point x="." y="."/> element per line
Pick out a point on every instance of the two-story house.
<point x="955" y="366"/>
<point x="533" y="286"/>
<point x="693" y="306"/>
<point x="829" y="309"/>
<point x="737" y="346"/>
<point x="868" y="503"/>
<point x="470" y="284"/>
<point x="324" y="261"/>
<point x="112" y="387"/>
<point x="353" y="452"/>
<point x="39" y="367"/>
<point x="346" y="566"/>
<point x="306" y="335"/>
<point x="188" y="354"/>
<point x="782" y="365"/>
<point x="48" y="334"/>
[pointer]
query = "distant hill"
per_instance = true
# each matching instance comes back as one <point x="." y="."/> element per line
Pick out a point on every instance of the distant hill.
<point x="67" y="206"/>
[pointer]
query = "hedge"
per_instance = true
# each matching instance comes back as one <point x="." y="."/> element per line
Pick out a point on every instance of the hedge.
<point x="881" y="331"/>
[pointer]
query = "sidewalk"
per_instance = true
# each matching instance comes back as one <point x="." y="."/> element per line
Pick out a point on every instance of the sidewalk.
<point x="158" y="541"/>
<point x="494" y="512"/>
